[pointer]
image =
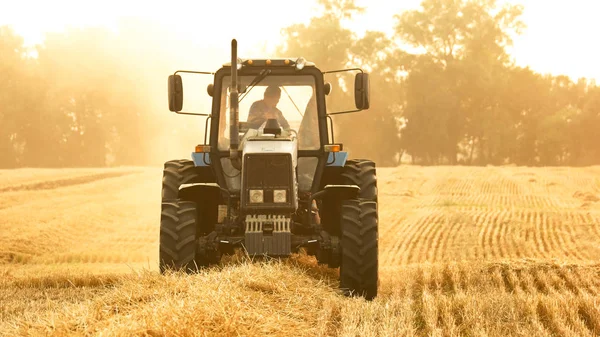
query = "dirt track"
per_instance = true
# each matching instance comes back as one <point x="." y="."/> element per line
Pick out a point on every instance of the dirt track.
<point x="460" y="248"/>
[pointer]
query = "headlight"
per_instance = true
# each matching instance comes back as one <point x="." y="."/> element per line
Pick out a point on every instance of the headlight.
<point x="279" y="196"/>
<point x="256" y="196"/>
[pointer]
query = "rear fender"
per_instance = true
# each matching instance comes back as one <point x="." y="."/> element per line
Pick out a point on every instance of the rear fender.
<point x="201" y="159"/>
<point x="332" y="172"/>
<point x="204" y="169"/>
<point x="337" y="159"/>
<point x="332" y="197"/>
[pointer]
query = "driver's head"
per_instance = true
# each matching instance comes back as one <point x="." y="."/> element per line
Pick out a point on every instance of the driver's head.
<point x="272" y="95"/>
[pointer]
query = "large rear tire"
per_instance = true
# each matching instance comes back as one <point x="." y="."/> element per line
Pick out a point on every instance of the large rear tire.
<point x="360" y="172"/>
<point x="363" y="173"/>
<point x="359" y="248"/>
<point x="175" y="173"/>
<point x="178" y="237"/>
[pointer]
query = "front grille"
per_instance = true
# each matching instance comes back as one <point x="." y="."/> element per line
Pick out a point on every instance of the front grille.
<point x="267" y="171"/>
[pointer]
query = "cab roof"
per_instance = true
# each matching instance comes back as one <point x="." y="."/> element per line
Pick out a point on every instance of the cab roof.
<point x="275" y="62"/>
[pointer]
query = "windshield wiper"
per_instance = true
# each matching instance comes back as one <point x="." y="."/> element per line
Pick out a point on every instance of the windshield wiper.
<point x="294" y="103"/>
<point x="261" y="76"/>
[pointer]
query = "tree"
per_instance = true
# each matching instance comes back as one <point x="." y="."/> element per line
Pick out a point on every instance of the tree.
<point x="460" y="45"/>
<point x="325" y="42"/>
<point x="331" y="46"/>
<point x="427" y="92"/>
<point x="588" y="124"/>
<point x="375" y="53"/>
<point x="11" y="66"/>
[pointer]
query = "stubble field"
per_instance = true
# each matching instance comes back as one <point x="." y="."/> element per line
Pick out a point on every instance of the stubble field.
<point x="464" y="251"/>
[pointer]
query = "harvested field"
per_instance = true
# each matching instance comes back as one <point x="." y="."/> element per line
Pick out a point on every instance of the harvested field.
<point x="464" y="251"/>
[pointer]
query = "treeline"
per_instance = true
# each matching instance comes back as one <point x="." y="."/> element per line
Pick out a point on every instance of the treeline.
<point x="91" y="97"/>
<point x="444" y="91"/>
<point x="66" y="107"/>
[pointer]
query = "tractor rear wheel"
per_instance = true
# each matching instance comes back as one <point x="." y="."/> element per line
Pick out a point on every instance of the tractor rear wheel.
<point x="175" y="173"/>
<point x="361" y="172"/>
<point x="183" y="171"/>
<point x="359" y="248"/>
<point x="179" y="248"/>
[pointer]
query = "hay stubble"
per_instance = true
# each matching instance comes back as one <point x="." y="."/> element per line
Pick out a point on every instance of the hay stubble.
<point x="463" y="251"/>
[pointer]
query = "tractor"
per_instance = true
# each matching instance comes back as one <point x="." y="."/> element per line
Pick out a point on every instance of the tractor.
<point x="271" y="184"/>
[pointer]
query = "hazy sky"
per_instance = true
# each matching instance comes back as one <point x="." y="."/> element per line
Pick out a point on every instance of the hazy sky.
<point x="561" y="37"/>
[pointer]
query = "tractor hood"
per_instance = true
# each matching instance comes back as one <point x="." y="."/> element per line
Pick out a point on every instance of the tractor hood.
<point x="254" y="141"/>
<point x="271" y="145"/>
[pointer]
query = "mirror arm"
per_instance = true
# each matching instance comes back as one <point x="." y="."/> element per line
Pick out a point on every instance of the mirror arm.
<point x="191" y="113"/>
<point x="343" y="112"/>
<point x="332" y="135"/>
<point x="342" y="70"/>
<point x="193" y="72"/>
<point x="206" y="128"/>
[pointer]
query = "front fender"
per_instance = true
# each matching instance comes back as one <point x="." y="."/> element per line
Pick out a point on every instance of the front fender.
<point x="200" y="192"/>
<point x="338" y="192"/>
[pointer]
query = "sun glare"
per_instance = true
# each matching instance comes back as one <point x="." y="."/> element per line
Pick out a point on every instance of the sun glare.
<point x="559" y="38"/>
<point x="556" y="40"/>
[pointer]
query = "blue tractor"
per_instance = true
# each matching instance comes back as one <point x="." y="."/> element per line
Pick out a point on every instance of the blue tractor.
<point x="269" y="178"/>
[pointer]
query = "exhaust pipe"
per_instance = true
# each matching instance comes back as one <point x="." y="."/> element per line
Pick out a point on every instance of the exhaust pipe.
<point x="234" y="110"/>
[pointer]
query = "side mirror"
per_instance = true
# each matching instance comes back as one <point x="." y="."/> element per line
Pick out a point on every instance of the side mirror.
<point x="210" y="89"/>
<point x="361" y="91"/>
<point x="175" y="93"/>
<point x="327" y="88"/>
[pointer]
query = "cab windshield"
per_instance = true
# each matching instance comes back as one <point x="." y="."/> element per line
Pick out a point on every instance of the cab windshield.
<point x="289" y="99"/>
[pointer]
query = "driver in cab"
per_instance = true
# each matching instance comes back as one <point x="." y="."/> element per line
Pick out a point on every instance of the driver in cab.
<point x="266" y="108"/>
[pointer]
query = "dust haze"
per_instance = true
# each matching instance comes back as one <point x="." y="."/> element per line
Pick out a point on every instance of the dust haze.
<point x="96" y="97"/>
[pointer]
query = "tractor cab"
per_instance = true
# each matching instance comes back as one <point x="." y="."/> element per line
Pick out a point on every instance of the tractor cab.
<point x="278" y="109"/>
